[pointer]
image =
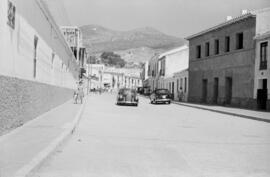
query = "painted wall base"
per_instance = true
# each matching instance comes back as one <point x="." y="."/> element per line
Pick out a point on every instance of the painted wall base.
<point x="23" y="100"/>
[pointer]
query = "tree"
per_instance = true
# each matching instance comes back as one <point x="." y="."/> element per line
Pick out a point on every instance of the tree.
<point x="112" y="59"/>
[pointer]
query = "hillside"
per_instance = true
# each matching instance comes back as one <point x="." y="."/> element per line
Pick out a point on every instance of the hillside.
<point x="98" y="39"/>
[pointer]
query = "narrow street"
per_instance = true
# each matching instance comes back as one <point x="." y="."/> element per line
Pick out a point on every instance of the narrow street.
<point x="160" y="141"/>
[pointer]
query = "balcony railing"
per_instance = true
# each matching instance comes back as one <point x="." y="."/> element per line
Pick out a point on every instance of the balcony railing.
<point x="263" y="65"/>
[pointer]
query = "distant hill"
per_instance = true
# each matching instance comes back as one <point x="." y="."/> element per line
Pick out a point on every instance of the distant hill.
<point x="98" y="39"/>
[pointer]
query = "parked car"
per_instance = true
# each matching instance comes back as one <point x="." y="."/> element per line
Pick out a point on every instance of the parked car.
<point x="127" y="96"/>
<point x="161" y="96"/>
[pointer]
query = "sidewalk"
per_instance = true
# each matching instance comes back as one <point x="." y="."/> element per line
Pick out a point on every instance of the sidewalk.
<point x="26" y="147"/>
<point x="243" y="113"/>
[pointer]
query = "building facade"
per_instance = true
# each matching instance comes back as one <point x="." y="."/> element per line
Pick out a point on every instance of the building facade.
<point x="221" y="63"/>
<point x="166" y="70"/>
<point x="73" y="36"/>
<point x="113" y="78"/>
<point x="181" y="85"/>
<point x="171" y="62"/>
<point x="262" y="60"/>
<point x="37" y="68"/>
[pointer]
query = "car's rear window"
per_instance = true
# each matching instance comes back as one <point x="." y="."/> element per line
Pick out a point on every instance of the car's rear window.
<point x="162" y="91"/>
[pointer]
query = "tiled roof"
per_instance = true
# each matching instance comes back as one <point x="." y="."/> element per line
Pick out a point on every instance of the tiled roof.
<point x="229" y="22"/>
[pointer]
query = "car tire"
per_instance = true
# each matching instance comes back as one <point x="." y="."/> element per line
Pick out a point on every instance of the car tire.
<point x="169" y="102"/>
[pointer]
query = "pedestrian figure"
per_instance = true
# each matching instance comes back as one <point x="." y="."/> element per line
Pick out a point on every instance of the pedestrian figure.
<point x="180" y="94"/>
<point x="78" y="93"/>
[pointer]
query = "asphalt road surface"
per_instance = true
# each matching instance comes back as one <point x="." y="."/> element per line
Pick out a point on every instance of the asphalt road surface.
<point x="160" y="141"/>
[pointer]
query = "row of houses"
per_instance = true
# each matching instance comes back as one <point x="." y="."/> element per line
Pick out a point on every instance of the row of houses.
<point x="108" y="77"/>
<point x="227" y="64"/>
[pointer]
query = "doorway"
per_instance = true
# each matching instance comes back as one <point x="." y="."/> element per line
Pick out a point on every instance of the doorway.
<point x="204" y="90"/>
<point x="215" y="94"/>
<point x="228" y="87"/>
<point x="173" y="90"/>
<point x="262" y="93"/>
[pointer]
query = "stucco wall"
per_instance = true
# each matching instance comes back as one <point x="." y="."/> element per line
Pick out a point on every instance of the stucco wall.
<point x="24" y="96"/>
<point x="237" y="64"/>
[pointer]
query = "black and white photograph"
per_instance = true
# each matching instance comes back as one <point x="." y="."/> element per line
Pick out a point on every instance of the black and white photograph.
<point x="134" y="88"/>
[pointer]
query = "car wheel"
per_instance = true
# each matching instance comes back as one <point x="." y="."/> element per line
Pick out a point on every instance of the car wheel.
<point x="169" y="102"/>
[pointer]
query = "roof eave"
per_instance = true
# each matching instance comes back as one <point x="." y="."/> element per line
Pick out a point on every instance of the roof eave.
<point x="235" y="20"/>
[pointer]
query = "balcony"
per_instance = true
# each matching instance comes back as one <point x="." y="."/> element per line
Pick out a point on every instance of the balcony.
<point x="263" y="65"/>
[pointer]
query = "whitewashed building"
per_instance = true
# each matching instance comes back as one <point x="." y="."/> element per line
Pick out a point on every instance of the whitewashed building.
<point x="37" y="68"/>
<point x="173" y="67"/>
<point x="262" y="59"/>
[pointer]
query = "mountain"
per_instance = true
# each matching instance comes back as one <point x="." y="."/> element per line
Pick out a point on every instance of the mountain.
<point x="98" y="39"/>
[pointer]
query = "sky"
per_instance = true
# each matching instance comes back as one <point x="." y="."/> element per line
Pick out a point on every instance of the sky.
<point x="179" y="18"/>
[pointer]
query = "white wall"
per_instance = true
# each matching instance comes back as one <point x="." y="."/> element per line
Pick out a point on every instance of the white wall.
<point x="262" y="74"/>
<point x="17" y="47"/>
<point x="177" y="61"/>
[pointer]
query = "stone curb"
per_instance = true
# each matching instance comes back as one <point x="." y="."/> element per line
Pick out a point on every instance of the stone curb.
<point x="221" y="112"/>
<point x="45" y="153"/>
<point x="225" y="112"/>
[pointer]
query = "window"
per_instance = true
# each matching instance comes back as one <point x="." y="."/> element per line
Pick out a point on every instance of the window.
<point x="198" y="51"/>
<point x="11" y="15"/>
<point x="227" y="43"/>
<point x="216" y="46"/>
<point x="239" y="41"/>
<point x="263" y="55"/>
<point x="207" y="49"/>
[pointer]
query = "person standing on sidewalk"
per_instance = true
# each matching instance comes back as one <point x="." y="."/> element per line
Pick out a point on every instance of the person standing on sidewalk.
<point x="79" y="94"/>
<point x="180" y="94"/>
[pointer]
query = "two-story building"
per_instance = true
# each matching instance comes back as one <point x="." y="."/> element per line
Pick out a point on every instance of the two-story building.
<point x="222" y="62"/>
<point x="262" y="59"/>
<point x="173" y="66"/>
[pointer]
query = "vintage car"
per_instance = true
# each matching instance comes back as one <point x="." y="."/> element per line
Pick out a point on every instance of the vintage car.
<point x="127" y="96"/>
<point x="161" y="96"/>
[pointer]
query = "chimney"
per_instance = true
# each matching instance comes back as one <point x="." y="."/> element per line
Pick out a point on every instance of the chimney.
<point x="244" y="12"/>
<point x="228" y="18"/>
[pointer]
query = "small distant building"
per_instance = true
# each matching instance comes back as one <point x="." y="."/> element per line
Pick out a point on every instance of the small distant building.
<point x="153" y="70"/>
<point x="73" y="36"/>
<point x="171" y="62"/>
<point x="181" y="83"/>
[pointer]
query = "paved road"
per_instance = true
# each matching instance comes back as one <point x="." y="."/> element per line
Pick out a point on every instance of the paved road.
<point x="160" y="141"/>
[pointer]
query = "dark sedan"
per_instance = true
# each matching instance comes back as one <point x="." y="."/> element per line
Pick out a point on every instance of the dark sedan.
<point x="127" y="96"/>
<point x="161" y="96"/>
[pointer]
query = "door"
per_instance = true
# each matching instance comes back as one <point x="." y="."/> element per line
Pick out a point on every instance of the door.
<point x="204" y="90"/>
<point x="215" y="94"/>
<point x="173" y="90"/>
<point x="262" y="95"/>
<point x="228" y="87"/>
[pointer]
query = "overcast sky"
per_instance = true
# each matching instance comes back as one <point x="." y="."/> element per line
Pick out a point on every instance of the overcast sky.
<point x="174" y="17"/>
